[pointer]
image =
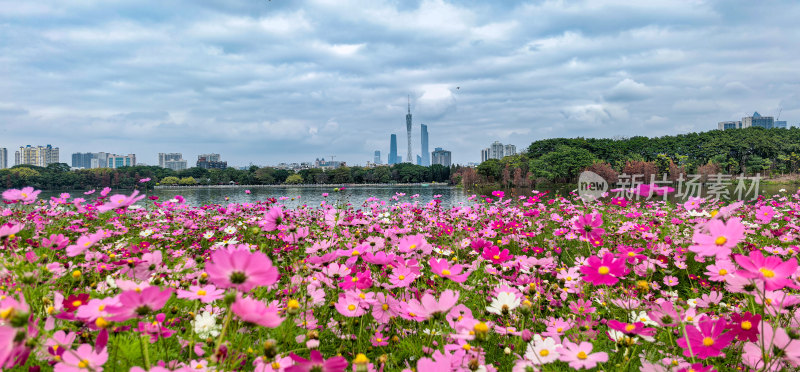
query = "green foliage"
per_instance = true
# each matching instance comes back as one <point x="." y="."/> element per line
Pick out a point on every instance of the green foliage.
<point x="187" y="181"/>
<point x="170" y="180"/>
<point x="563" y="164"/>
<point x="294" y="179"/>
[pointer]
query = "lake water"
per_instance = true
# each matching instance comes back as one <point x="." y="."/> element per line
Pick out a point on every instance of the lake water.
<point x="294" y="196"/>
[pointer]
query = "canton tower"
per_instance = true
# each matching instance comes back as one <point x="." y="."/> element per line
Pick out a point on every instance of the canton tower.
<point x="408" y="129"/>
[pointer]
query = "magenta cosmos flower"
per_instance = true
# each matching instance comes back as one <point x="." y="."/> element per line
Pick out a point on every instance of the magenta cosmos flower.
<point x="708" y="341"/>
<point x="494" y="254"/>
<point x="604" y="272"/>
<point x="719" y="239"/>
<point x="317" y="363"/>
<point x="206" y="294"/>
<point x="135" y="303"/>
<point x="253" y="311"/>
<point x="589" y="226"/>
<point x="771" y="270"/>
<point x="241" y="270"/>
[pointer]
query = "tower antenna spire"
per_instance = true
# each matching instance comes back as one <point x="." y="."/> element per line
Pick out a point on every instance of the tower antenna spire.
<point x="409" y="103"/>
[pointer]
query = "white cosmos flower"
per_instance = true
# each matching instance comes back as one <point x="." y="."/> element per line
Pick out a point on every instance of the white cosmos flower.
<point x="205" y="325"/>
<point x="208" y="234"/>
<point x="505" y="301"/>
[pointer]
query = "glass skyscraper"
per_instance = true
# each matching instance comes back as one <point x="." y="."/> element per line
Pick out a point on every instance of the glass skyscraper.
<point x="393" y="150"/>
<point x="426" y="156"/>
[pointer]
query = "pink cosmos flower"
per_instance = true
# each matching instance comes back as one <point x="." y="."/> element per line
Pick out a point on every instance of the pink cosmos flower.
<point x="84" y="359"/>
<point x="581" y="307"/>
<point x="143" y="180"/>
<point x="26" y="195"/>
<point x="776" y="344"/>
<point x="765" y="214"/>
<point x="54" y="242"/>
<point x="494" y="254"/>
<point x="134" y="303"/>
<point x="272" y="219"/>
<point x="708" y="340"/>
<point x="317" y="363"/>
<point x="349" y="305"/>
<point x="254" y="311"/>
<point x="9" y="229"/>
<point x="206" y="294"/>
<point x="241" y="270"/>
<point x="84" y="242"/>
<point x="637" y="328"/>
<point x="719" y="240"/>
<point x="775" y="273"/>
<point x="693" y="203"/>
<point x="670" y="281"/>
<point x="120" y="201"/>
<point x="720" y="270"/>
<point x="604" y="272"/>
<point x="430" y="305"/>
<point x="589" y="226"/>
<point x="580" y="356"/>
<point x="442" y="268"/>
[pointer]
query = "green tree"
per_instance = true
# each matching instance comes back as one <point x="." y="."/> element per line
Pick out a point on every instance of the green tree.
<point x="294" y="179"/>
<point x="171" y="180"/>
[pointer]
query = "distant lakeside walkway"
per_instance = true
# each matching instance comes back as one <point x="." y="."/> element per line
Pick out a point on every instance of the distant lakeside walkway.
<point x="343" y="185"/>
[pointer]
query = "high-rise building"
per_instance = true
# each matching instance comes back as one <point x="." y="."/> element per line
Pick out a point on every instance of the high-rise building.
<point x="780" y="124"/>
<point x="119" y="161"/>
<point x="173" y="160"/>
<point x="441" y="157"/>
<point x="497" y="150"/>
<point x="82" y="160"/>
<point x="40" y="155"/>
<point x="399" y="159"/>
<point x="723" y="125"/>
<point x="423" y="135"/>
<point x="408" y="129"/>
<point x="509" y="150"/>
<point x="766" y="122"/>
<point x="419" y="160"/>
<point x="3" y="158"/>
<point x="211" y="161"/>
<point x="393" y="150"/>
<point x="485" y="154"/>
<point x="377" y="158"/>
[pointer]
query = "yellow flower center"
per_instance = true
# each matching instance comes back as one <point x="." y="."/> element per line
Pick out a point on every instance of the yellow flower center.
<point x="355" y="279"/>
<point x="559" y="329"/>
<point x="631" y="254"/>
<point x="603" y="270"/>
<point x="413" y="246"/>
<point x="411" y="314"/>
<point x="496" y="257"/>
<point x="723" y="272"/>
<point x="766" y="272"/>
<point x="379" y="339"/>
<point x="101" y="307"/>
<point x="445" y="272"/>
<point x="544" y="352"/>
<point x="708" y="341"/>
<point x="385" y="307"/>
<point x="77" y="303"/>
<point x="466" y="347"/>
<point x="721" y="240"/>
<point x="355" y="253"/>
<point x="746" y="325"/>
<point x="401" y="277"/>
<point x="83" y="364"/>
<point x="201" y="293"/>
<point x="582" y="355"/>
<point x="569" y="278"/>
<point x="275" y="365"/>
<point x="629" y="327"/>
<point x="351" y="307"/>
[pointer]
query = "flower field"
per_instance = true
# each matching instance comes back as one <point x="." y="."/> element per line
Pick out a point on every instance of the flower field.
<point x="97" y="282"/>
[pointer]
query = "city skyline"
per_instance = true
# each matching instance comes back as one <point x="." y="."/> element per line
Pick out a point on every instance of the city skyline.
<point x="271" y="82"/>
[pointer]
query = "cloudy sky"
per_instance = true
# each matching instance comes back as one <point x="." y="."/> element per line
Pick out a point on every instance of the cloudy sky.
<point x="265" y="82"/>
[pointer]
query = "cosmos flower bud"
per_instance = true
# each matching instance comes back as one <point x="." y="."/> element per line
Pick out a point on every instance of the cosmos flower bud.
<point x="292" y="307"/>
<point x="270" y="349"/>
<point x="76" y="274"/>
<point x="481" y="331"/>
<point x="361" y="362"/>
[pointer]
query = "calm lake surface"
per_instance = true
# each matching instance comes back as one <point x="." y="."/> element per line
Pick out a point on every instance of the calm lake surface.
<point x="294" y="196"/>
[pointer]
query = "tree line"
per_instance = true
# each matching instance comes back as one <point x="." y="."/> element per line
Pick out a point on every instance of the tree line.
<point x="768" y="152"/>
<point x="59" y="176"/>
